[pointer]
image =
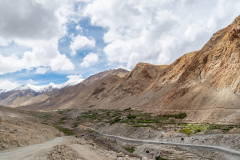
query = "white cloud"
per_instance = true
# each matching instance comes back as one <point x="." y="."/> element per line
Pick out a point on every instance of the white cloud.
<point x="78" y="27"/>
<point x="90" y="59"/>
<point x="61" y="62"/>
<point x="44" y="53"/>
<point x="160" y="31"/>
<point x="74" y="79"/>
<point x="41" y="70"/>
<point x="79" y="42"/>
<point x="37" y="25"/>
<point x="30" y="81"/>
<point x="8" y="85"/>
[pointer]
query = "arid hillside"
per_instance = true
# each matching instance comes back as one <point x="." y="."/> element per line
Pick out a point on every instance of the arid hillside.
<point x="21" y="98"/>
<point x="18" y="129"/>
<point x="79" y="95"/>
<point x="205" y="84"/>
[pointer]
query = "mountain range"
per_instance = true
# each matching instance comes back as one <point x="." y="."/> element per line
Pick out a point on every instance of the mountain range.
<point x="205" y="84"/>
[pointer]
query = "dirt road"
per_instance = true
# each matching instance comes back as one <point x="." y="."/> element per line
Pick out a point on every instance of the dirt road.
<point x="228" y="151"/>
<point x="34" y="152"/>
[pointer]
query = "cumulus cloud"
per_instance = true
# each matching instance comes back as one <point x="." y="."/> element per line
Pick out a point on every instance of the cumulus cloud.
<point x="8" y="85"/>
<point x="160" y="31"/>
<point x="74" y="79"/>
<point x="41" y="70"/>
<point x="44" y="53"/>
<point x="37" y="25"/>
<point x="90" y="59"/>
<point x="79" y="42"/>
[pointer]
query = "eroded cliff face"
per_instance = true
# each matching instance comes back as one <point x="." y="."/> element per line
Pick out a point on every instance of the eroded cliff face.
<point x="217" y="62"/>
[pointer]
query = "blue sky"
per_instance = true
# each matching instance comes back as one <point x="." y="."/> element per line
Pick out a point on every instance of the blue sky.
<point x="55" y="41"/>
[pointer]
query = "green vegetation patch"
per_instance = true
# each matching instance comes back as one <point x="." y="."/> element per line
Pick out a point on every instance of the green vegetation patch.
<point x="195" y="128"/>
<point x="127" y="109"/>
<point x="131" y="150"/>
<point x="224" y="128"/>
<point x="186" y="131"/>
<point x="131" y="116"/>
<point x="66" y="131"/>
<point x="117" y="119"/>
<point x="178" y="116"/>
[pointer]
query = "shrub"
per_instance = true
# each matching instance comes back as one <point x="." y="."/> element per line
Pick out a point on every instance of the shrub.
<point x="178" y="116"/>
<point x="186" y="131"/>
<point x="131" y="150"/>
<point x="117" y="119"/>
<point x="181" y="115"/>
<point x="127" y="109"/>
<point x="198" y="130"/>
<point x="131" y="116"/>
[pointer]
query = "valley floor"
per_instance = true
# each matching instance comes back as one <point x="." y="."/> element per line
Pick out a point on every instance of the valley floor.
<point x="80" y="149"/>
<point x="26" y="136"/>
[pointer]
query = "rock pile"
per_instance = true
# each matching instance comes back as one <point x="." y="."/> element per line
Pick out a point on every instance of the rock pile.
<point x="63" y="152"/>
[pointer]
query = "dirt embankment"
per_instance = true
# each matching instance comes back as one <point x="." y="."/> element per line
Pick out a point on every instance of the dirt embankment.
<point x="17" y="129"/>
<point x="17" y="132"/>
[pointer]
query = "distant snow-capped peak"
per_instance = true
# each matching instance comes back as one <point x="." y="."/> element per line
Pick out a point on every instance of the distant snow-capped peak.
<point x="72" y="80"/>
<point x="44" y="88"/>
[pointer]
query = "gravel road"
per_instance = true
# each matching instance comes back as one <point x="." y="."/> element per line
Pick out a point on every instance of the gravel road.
<point x="228" y="151"/>
<point x="38" y="151"/>
<point x="28" y="152"/>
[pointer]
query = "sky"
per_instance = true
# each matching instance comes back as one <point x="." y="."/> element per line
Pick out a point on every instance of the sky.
<point x="43" y="42"/>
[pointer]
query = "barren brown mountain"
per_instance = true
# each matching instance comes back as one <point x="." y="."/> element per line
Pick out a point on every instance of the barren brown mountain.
<point x="205" y="84"/>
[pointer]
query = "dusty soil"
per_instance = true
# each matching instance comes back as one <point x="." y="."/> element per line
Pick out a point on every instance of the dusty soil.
<point x="18" y="130"/>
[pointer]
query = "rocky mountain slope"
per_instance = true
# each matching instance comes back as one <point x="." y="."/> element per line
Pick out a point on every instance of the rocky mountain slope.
<point x="205" y="84"/>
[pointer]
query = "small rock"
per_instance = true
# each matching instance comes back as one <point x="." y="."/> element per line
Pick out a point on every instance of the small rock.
<point x="144" y="158"/>
<point x="120" y="154"/>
